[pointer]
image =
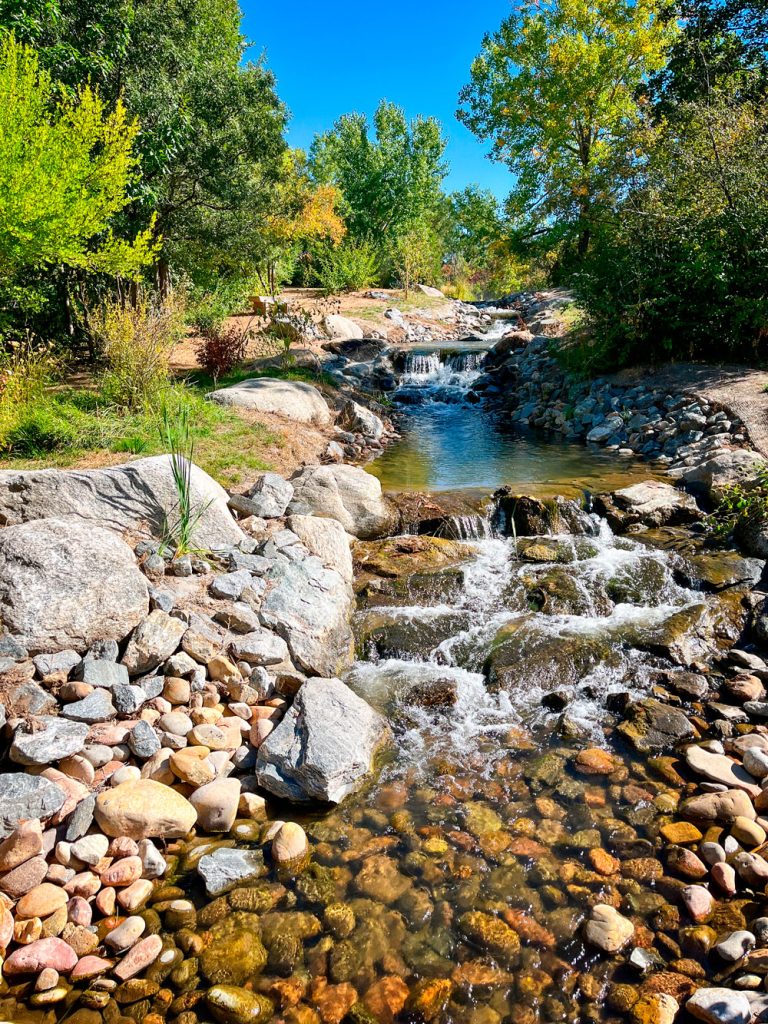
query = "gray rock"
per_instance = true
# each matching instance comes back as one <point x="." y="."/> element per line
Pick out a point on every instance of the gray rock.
<point x="129" y="698"/>
<point x="347" y="494"/>
<point x="651" y="503"/>
<point x="138" y="496"/>
<point x="226" y="869"/>
<point x="229" y="586"/>
<point x="80" y="820"/>
<point x="255" y="564"/>
<point x="238" y="617"/>
<point x="103" y="650"/>
<point x="735" y="946"/>
<point x="323" y="748"/>
<point x="161" y="600"/>
<point x="26" y="796"/>
<point x="143" y="740"/>
<point x="269" y="497"/>
<point x="106" y="674"/>
<point x="292" y="399"/>
<point x="96" y="707"/>
<point x="11" y="648"/>
<point x="341" y="328"/>
<point x="62" y="661"/>
<point x="49" y="740"/>
<point x="64" y="584"/>
<point x="260" y="647"/>
<point x="360" y="420"/>
<point x="156" y="638"/>
<point x="652" y="726"/>
<point x="30" y="698"/>
<point x="719" y="1006"/>
<point x="180" y="665"/>
<point x="310" y="606"/>
<point x="327" y="539"/>
<point x="727" y="469"/>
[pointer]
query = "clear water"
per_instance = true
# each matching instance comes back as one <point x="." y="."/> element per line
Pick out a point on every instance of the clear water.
<point x="448" y="443"/>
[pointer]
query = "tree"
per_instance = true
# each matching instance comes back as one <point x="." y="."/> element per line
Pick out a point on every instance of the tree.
<point x="65" y="171"/>
<point x="389" y="181"/>
<point x="558" y="91"/>
<point x="415" y="256"/>
<point x="478" y="223"/>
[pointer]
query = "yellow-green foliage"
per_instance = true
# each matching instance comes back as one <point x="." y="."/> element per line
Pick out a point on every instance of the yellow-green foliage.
<point x="25" y="370"/>
<point x="136" y="341"/>
<point x="64" y="173"/>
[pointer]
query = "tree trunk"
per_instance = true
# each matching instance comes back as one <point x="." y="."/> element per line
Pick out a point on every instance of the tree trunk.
<point x="163" y="278"/>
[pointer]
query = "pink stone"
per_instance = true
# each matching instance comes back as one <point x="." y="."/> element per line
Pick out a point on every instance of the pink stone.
<point x="123" y="846"/>
<point x="85" y="884"/>
<point x="6" y="928"/>
<point x="105" y="902"/>
<point x="25" y="877"/>
<point x="142" y="955"/>
<point x="126" y="934"/>
<point x="90" y="966"/>
<point x="123" y="872"/>
<point x="260" y="729"/>
<point x="24" y="842"/>
<point x="75" y="792"/>
<point x="110" y="733"/>
<point x="79" y="911"/>
<point x="38" y="955"/>
<point x="698" y="902"/>
<point x="79" y="768"/>
<point x="135" y="895"/>
<point x="724" y="875"/>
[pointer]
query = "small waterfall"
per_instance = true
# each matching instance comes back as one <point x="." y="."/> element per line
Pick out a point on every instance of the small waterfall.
<point x="462" y="362"/>
<point x="467" y="527"/>
<point x="423" y="364"/>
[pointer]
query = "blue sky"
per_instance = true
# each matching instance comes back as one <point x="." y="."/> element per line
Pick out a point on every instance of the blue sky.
<point x="332" y="57"/>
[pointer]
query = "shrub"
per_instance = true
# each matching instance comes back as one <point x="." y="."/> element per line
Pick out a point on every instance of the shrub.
<point x="136" y="342"/>
<point x="210" y="308"/>
<point x="415" y="258"/>
<point x="220" y="351"/>
<point x="348" y="267"/>
<point x="26" y="368"/>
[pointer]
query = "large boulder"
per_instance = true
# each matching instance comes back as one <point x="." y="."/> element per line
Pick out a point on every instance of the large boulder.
<point x="292" y="399"/>
<point x="727" y="469"/>
<point x="310" y="606"/>
<point x="139" y="496"/>
<point x="651" y="503"/>
<point x="65" y="584"/>
<point x="323" y="749"/>
<point x="327" y="539"/>
<point x="341" y="328"/>
<point x="347" y="494"/>
<point x="359" y="420"/>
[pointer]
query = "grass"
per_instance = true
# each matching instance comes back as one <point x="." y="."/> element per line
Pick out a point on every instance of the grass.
<point x="72" y="425"/>
<point x="299" y="373"/>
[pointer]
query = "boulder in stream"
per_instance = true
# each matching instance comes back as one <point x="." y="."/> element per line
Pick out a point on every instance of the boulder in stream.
<point x="650" y="503"/>
<point x="347" y="494"/>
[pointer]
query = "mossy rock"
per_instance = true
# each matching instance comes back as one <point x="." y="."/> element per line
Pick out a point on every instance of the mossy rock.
<point x="641" y="583"/>
<point x="399" y="557"/>
<point x="492" y="935"/>
<point x="231" y="1004"/>
<point x="235" y="951"/>
<point x="389" y="635"/>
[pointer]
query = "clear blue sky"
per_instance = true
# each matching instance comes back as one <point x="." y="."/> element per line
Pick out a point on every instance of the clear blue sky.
<point x="332" y="57"/>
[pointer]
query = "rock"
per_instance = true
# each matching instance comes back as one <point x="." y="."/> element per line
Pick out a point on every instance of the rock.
<point x="327" y="539"/>
<point x="347" y="494"/>
<point x="698" y="902"/>
<point x="310" y="606"/>
<point x="233" y="1005"/>
<point x="652" y="726"/>
<point x="727" y="469"/>
<point x="721" y="807"/>
<point x="655" y="1008"/>
<point x="226" y="869"/>
<point x="341" y="328"/>
<point x="492" y="935"/>
<point x="735" y="946"/>
<point x="290" y="847"/>
<point x="31" y="959"/>
<point x="24" y="842"/>
<point x="49" y="739"/>
<point x="607" y="929"/>
<point x="23" y="797"/>
<point x="126" y="934"/>
<point x="90" y="849"/>
<point x="292" y="399"/>
<point x="651" y="503"/>
<point x="155" y="639"/>
<point x="137" y="496"/>
<point x="42" y="900"/>
<point x="143" y="741"/>
<point x="235" y="952"/>
<point x="260" y="648"/>
<point x="216" y="804"/>
<point x="359" y="420"/>
<point x="719" y="1006"/>
<point x="24" y="878"/>
<point x="96" y="707"/>
<point x="144" y="809"/>
<point x="720" y="768"/>
<point x="104" y="674"/>
<point x="269" y="497"/>
<point x="323" y="748"/>
<point x="65" y="584"/>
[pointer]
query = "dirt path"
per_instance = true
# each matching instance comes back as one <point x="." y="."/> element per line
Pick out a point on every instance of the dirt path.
<point x="738" y="390"/>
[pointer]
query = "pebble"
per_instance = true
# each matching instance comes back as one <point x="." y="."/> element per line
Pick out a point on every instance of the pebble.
<point x="216" y="804"/>
<point x="35" y="957"/>
<point x="724" y="876"/>
<point x="698" y="902"/>
<point x="748" y="832"/>
<point x="90" y="849"/>
<point x="719" y="1006"/>
<point x="126" y="934"/>
<point x="607" y="929"/>
<point x="25" y="842"/>
<point x="735" y="946"/>
<point x="41" y="901"/>
<point x="139" y="958"/>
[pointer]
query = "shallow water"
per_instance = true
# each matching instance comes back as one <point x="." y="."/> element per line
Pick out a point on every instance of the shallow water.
<point x="449" y="443"/>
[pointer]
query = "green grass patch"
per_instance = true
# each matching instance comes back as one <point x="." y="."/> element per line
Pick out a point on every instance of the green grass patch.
<point x="70" y="425"/>
<point x="201" y="381"/>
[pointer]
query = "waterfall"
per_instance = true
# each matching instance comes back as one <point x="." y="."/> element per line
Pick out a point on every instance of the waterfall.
<point x="468" y="527"/>
<point x="422" y="364"/>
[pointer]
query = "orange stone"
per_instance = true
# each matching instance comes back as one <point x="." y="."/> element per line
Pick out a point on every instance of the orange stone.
<point x="603" y="862"/>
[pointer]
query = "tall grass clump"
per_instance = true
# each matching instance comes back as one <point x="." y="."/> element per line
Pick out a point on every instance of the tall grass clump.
<point x="136" y="341"/>
<point x="177" y="436"/>
<point x="26" y="369"/>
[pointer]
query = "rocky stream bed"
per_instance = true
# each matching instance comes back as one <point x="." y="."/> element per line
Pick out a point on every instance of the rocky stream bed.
<point x="364" y="758"/>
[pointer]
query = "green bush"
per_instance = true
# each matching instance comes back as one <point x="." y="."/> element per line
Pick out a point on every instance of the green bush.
<point x="209" y="308"/>
<point x="347" y="267"/>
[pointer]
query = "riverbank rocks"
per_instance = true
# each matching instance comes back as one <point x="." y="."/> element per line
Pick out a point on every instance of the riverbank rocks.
<point x="347" y="494"/>
<point x="734" y="467"/>
<point x="650" y="725"/>
<point x="341" y="328"/>
<point x="65" y="584"/>
<point x="139" y="496"/>
<point x="294" y="400"/>
<point x="268" y="498"/>
<point x="719" y="1006"/>
<point x="327" y="539"/>
<point x="651" y="503"/>
<point x="144" y="809"/>
<point x="323" y="749"/>
<point x="607" y="929"/>
<point x="359" y="420"/>
<point x="24" y="798"/>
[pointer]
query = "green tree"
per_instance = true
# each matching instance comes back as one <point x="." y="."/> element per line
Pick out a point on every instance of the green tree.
<point x="415" y="255"/>
<point x="390" y="180"/>
<point x="65" y="171"/>
<point x="557" y="89"/>
<point x="478" y="224"/>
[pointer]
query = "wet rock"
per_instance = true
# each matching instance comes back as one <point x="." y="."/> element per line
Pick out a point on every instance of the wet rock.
<point x="735" y="946"/>
<point x="65" y="584"/>
<point x="324" y="746"/>
<point x="607" y="929"/>
<point x="698" y="902"/>
<point x="652" y="726"/>
<point x="719" y="1006"/>
<point x="231" y="1004"/>
<point x="533" y="517"/>
<point x="493" y="935"/>
<point x="226" y="868"/>
<point x="721" y="807"/>
<point x="290" y="848"/>
<point x="144" y="809"/>
<point x="379" y="879"/>
<point x="651" y="503"/>
<point x="720" y="768"/>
